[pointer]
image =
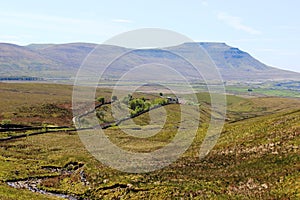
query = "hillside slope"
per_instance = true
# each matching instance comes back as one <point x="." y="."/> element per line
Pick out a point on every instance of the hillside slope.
<point x="63" y="60"/>
<point x="256" y="156"/>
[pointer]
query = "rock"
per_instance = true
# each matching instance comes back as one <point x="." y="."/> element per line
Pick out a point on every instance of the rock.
<point x="105" y="181"/>
<point x="265" y="186"/>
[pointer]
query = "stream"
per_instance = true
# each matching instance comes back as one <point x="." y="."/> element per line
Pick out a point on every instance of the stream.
<point x="32" y="184"/>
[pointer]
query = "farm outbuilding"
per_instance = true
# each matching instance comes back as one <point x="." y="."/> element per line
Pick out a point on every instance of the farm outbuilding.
<point x="172" y="100"/>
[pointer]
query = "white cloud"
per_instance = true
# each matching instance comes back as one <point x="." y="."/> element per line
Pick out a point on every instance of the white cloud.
<point x="122" y="21"/>
<point x="236" y="23"/>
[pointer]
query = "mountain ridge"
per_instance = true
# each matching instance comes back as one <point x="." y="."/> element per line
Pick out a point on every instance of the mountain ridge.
<point x="63" y="60"/>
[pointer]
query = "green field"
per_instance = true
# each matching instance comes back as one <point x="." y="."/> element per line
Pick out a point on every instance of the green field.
<point x="276" y="88"/>
<point x="256" y="156"/>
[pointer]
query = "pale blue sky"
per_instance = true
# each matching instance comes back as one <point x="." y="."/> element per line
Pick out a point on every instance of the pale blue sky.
<point x="267" y="29"/>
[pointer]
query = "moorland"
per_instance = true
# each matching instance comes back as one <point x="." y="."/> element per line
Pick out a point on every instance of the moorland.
<point x="256" y="156"/>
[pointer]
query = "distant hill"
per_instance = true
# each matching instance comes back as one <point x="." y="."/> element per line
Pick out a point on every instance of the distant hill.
<point x="22" y="61"/>
<point x="63" y="60"/>
<point x="25" y="61"/>
<point x="236" y="64"/>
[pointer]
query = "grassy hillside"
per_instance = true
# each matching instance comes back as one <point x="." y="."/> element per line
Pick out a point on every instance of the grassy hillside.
<point x="38" y="103"/>
<point x="256" y="157"/>
<point x="31" y="103"/>
<point x="22" y="61"/>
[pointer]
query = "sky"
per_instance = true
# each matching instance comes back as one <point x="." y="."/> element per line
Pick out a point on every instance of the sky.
<point x="267" y="29"/>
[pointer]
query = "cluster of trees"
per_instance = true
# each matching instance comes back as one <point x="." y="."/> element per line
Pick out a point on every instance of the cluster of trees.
<point x="102" y="99"/>
<point x="139" y="105"/>
<point x="135" y="105"/>
<point x="20" y="78"/>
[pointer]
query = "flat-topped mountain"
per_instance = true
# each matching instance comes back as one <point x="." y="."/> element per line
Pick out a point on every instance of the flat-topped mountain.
<point x="63" y="60"/>
<point x="235" y="64"/>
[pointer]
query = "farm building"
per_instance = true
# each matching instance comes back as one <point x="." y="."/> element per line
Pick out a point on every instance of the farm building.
<point x="172" y="100"/>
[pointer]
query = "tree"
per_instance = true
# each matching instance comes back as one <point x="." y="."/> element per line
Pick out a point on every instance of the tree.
<point x="137" y="105"/>
<point x="114" y="98"/>
<point x="101" y="100"/>
<point x="160" y="101"/>
<point x="147" y="105"/>
<point x="161" y="94"/>
<point x="130" y="97"/>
